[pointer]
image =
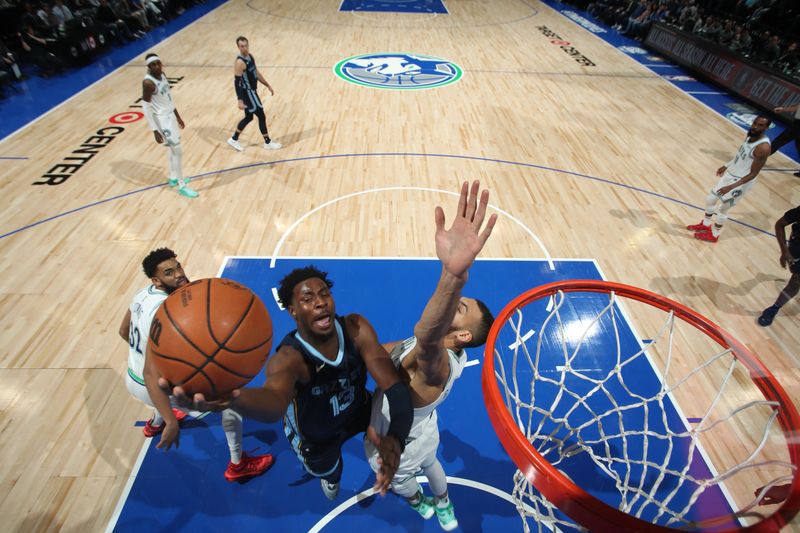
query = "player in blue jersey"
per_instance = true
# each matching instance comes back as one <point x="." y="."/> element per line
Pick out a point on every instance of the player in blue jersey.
<point x="316" y="382"/>
<point x="245" y="81"/>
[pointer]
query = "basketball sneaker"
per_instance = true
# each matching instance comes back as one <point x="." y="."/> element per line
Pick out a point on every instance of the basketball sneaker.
<point x="424" y="506"/>
<point x="273" y="145"/>
<point x="331" y="490"/>
<point x="706" y="236"/>
<point x="768" y="315"/>
<point x="173" y="182"/>
<point x="248" y="467"/>
<point x="150" y="430"/>
<point x="446" y="516"/>
<point x="699" y="227"/>
<point x="187" y="192"/>
<point x="233" y="142"/>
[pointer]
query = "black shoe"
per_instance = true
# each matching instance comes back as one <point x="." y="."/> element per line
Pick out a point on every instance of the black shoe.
<point x="767" y="316"/>
<point x="796" y="174"/>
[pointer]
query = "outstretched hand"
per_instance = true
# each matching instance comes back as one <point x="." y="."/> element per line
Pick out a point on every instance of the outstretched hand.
<point x="389" y="452"/>
<point x="458" y="246"/>
<point x="198" y="402"/>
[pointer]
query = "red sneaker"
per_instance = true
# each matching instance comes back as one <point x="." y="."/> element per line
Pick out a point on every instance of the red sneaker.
<point x="150" y="430"/>
<point x="699" y="227"/>
<point x="706" y="236"/>
<point x="248" y="467"/>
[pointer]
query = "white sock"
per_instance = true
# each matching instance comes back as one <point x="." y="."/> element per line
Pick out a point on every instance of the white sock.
<point x="232" y="424"/>
<point x="157" y="418"/>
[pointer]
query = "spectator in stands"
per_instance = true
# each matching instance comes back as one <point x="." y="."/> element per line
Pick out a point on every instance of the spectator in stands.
<point x="107" y="16"/>
<point x="726" y="34"/>
<point x="771" y="51"/>
<point x="636" y="25"/>
<point x="790" y="59"/>
<point x="47" y="20"/>
<point x="62" y="12"/>
<point x="688" y="16"/>
<point x="36" y="46"/>
<point x="135" y="18"/>
<point x="8" y="62"/>
<point x="710" y="29"/>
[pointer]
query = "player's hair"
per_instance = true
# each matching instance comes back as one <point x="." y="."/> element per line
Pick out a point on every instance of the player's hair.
<point x="765" y="117"/>
<point x="148" y="56"/>
<point x="296" y="276"/>
<point x="481" y="332"/>
<point x="155" y="258"/>
<point x="240" y="39"/>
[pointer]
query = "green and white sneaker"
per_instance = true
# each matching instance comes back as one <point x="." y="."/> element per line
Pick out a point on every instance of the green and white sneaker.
<point x="424" y="506"/>
<point x="187" y="192"/>
<point x="446" y="516"/>
<point x="172" y="182"/>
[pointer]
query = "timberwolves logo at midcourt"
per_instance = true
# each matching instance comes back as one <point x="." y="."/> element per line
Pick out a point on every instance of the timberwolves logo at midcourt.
<point x="398" y="71"/>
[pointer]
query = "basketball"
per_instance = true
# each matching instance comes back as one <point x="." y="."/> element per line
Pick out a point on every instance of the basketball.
<point x="210" y="336"/>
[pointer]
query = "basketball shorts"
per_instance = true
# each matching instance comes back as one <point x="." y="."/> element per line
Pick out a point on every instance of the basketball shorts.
<point x="323" y="458"/>
<point x="139" y="391"/>
<point x="734" y="196"/>
<point x="168" y="127"/>
<point x="420" y="450"/>
<point x="252" y="102"/>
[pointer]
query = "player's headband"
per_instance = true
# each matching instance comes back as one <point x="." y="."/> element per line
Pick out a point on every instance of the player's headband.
<point x="151" y="59"/>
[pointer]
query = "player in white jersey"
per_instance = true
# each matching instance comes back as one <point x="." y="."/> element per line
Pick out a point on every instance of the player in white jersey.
<point x="434" y="358"/>
<point x="737" y="177"/>
<point x="167" y="275"/>
<point x="164" y="120"/>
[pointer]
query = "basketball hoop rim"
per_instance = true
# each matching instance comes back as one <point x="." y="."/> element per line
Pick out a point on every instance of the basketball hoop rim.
<point x="571" y="499"/>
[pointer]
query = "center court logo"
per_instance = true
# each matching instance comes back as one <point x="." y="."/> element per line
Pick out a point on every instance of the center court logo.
<point x="402" y="71"/>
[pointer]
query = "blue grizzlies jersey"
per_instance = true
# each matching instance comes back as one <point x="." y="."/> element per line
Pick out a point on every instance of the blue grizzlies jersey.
<point x="326" y="407"/>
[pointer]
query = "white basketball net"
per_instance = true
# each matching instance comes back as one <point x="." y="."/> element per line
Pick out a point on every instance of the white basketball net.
<point x="577" y="416"/>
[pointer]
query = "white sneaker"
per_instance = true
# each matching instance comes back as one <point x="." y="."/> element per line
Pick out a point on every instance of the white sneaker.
<point x="272" y="145"/>
<point x="331" y="490"/>
<point x="233" y="142"/>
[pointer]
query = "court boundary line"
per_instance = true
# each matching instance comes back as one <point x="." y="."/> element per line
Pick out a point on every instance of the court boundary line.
<point x="123" y="498"/>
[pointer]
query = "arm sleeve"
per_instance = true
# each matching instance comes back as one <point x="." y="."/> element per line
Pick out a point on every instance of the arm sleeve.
<point x="237" y="85"/>
<point x="400" y="411"/>
<point x="148" y="114"/>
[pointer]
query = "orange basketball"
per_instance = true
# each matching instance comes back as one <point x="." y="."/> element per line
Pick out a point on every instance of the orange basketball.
<point x="210" y="336"/>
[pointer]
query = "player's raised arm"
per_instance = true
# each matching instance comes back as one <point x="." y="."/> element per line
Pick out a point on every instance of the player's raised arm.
<point x="457" y="249"/>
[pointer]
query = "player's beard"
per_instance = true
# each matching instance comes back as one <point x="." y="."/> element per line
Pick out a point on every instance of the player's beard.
<point x="169" y="290"/>
<point x="752" y="135"/>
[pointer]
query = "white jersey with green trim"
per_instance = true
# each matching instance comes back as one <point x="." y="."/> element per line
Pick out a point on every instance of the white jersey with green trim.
<point x="380" y="405"/>
<point x="743" y="161"/>
<point x="161" y="100"/>
<point x="143" y="308"/>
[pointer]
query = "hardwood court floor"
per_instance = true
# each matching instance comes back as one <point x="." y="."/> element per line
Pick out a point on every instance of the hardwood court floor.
<point x="531" y="123"/>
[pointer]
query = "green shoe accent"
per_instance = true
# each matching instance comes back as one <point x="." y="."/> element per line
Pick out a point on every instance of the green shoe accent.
<point x="187" y="192"/>
<point x="173" y="182"/>
<point x="424" y="507"/>
<point x="446" y="516"/>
